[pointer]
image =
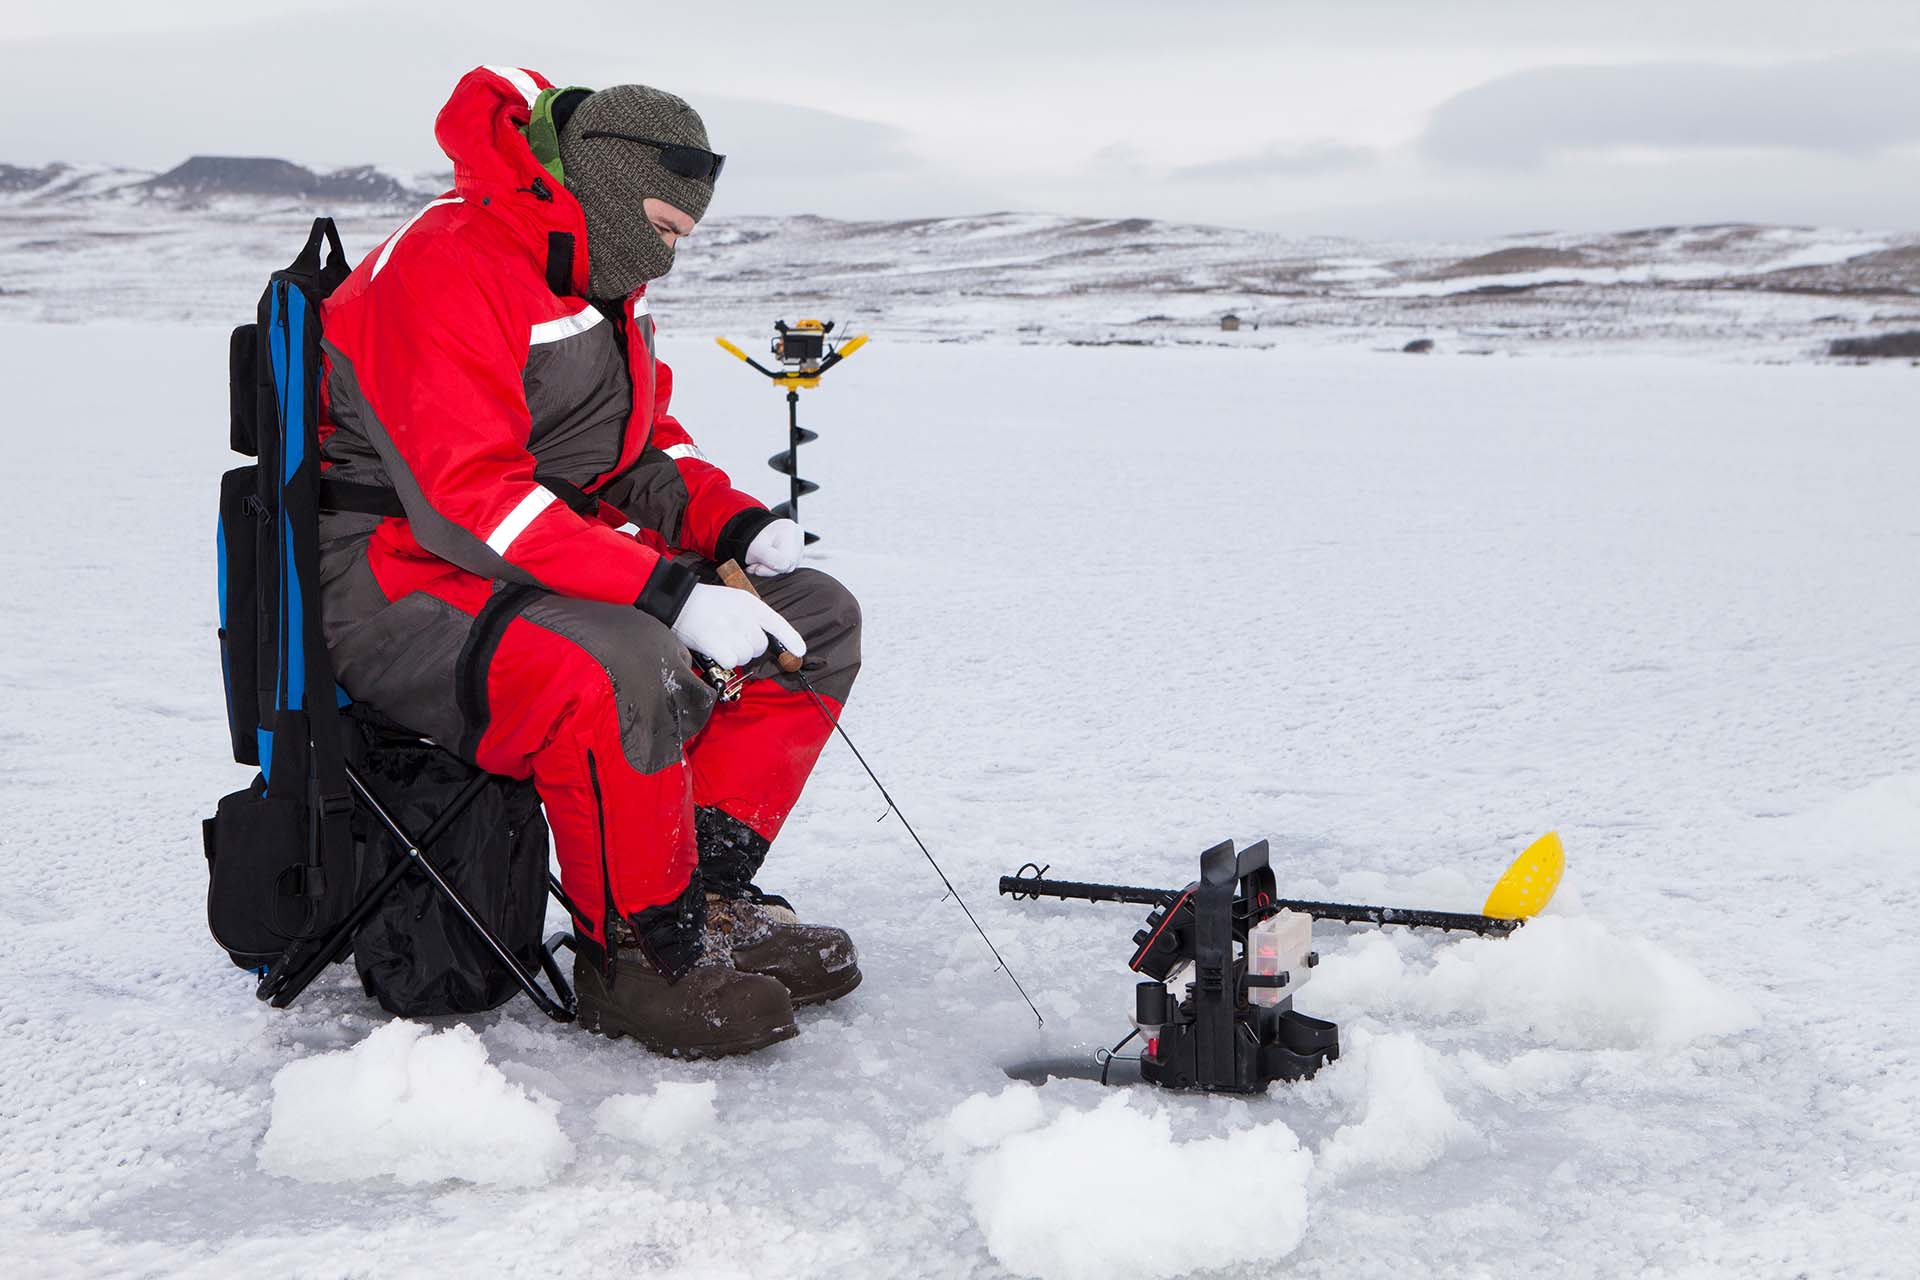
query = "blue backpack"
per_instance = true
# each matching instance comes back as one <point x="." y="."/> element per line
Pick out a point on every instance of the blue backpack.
<point x="280" y="851"/>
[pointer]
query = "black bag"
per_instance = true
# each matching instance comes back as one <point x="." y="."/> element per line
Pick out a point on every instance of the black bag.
<point x="245" y="538"/>
<point x="257" y="906"/>
<point x="416" y="956"/>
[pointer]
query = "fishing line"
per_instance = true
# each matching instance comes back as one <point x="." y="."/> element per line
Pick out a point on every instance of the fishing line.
<point x="999" y="959"/>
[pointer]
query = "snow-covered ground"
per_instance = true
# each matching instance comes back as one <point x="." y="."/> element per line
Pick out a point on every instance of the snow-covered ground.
<point x="1398" y="615"/>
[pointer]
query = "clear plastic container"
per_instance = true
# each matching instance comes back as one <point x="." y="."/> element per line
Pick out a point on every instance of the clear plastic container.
<point x="1279" y="945"/>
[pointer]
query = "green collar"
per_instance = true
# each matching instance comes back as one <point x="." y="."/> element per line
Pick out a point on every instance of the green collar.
<point x="543" y="134"/>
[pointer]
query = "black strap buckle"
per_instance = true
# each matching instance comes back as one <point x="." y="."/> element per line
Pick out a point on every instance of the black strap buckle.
<point x="302" y="880"/>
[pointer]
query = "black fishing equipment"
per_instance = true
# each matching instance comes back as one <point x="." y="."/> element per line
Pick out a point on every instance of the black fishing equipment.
<point x="1243" y="953"/>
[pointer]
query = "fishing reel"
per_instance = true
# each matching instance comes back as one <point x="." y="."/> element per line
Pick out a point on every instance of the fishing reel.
<point x="1242" y="957"/>
<point x="726" y="682"/>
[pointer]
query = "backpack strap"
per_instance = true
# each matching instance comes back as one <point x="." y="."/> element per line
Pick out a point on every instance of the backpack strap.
<point x="309" y="753"/>
<point x="320" y="278"/>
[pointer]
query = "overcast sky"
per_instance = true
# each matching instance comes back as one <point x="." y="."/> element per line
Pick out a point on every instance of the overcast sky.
<point x="1369" y="117"/>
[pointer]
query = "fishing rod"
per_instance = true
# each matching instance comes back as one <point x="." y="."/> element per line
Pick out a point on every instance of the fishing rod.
<point x="734" y="576"/>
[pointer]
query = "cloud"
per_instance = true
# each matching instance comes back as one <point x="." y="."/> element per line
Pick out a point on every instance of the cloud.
<point x="313" y="104"/>
<point x="1311" y="122"/>
<point x="1840" y="105"/>
<point x="786" y="140"/>
<point x="1285" y="161"/>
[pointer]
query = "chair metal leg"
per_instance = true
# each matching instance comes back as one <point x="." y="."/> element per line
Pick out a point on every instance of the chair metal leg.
<point x="550" y="965"/>
<point x="299" y="967"/>
<point x="296" y="970"/>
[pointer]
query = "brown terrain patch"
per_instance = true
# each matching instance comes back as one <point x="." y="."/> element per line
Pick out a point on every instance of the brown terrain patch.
<point x="1720" y="239"/>
<point x="887" y="228"/>
<point x="1121" y="227"/>
<point x="1709" y="235"/>
<point x="1502" y="290"/>
<point x="1884" y="346"/>
<point x="1895" y="270"/>
<point x="1507" y="261"/>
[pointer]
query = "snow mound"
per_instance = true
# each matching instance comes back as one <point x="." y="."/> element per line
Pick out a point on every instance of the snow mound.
<point x="1067" y="1201"/>
<point x="987" y="1119"/>
<point x="415" y="1105"/>
<point x="674" y="1113"/>
<point x="1405" y="1121"/>
<point x="1567" y="980"/>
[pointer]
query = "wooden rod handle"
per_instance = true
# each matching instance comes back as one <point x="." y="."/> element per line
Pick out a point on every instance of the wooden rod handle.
<point x="734" y="576"/>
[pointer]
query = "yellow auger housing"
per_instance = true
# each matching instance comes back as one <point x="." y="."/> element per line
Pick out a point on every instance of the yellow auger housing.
<point x="803" y="350"/>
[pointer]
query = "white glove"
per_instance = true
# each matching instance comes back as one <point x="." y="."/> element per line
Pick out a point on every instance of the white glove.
<point x="732" y="627"/>
<point x="775" y="549"/>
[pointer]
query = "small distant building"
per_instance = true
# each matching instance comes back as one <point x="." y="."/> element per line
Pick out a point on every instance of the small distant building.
<point x="1230" y="322"/>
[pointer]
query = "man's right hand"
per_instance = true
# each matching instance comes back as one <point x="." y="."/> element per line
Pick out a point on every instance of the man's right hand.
<point x="732" y="627"/>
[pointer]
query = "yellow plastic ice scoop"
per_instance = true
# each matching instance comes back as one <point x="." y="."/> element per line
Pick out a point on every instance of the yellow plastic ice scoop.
<point x="1528" y="884"/>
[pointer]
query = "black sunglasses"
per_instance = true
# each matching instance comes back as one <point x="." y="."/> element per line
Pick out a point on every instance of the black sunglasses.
<point x="688" y="162"/>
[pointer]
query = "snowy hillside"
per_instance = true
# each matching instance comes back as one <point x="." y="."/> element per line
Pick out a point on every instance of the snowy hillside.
<point x="1398" y="615"/>
<point x="187" y="244"/>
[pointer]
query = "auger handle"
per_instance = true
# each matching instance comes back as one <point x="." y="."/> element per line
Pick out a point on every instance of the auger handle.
<point x="841" y="352"/>
<point x="734" y="576"/>
<point x="742" y="356"/>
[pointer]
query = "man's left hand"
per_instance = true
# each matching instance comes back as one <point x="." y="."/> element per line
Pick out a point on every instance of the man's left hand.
<point x="775" y="549"/>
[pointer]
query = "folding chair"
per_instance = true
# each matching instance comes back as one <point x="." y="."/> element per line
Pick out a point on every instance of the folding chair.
<point x="288" y="855"/>
<point x="304" y="961"/>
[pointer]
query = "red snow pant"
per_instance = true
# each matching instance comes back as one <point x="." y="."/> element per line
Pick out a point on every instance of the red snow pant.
<point x="599" y="704"/>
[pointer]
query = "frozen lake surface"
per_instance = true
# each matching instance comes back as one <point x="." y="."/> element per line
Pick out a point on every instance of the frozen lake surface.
<point x="1399" y="615"/>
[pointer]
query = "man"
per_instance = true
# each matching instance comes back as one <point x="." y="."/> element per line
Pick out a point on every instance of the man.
<point x="493" y="418"/>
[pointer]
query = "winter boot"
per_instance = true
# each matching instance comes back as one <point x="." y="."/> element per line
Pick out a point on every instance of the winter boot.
<point x="668" y="993"/>
<point x="758" y="932"/>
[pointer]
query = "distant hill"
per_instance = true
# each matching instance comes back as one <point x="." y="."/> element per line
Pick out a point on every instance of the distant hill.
<point x="214" y="177"/>
<point x="205" y="180"/>
<point x="83" y="241"/>
<point x="16" y="180"/>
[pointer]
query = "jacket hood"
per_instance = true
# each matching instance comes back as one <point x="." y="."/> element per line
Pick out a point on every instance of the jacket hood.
<point x="481" y="128"/>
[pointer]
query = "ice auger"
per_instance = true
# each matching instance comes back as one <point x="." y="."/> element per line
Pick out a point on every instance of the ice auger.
<point x="805" y="356"/>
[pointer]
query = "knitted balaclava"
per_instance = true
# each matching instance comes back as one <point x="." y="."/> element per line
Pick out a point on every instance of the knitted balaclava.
<point x="611" y="177"/>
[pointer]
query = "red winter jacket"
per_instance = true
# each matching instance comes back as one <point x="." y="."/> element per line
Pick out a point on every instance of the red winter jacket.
<point x="463" y="361"/>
